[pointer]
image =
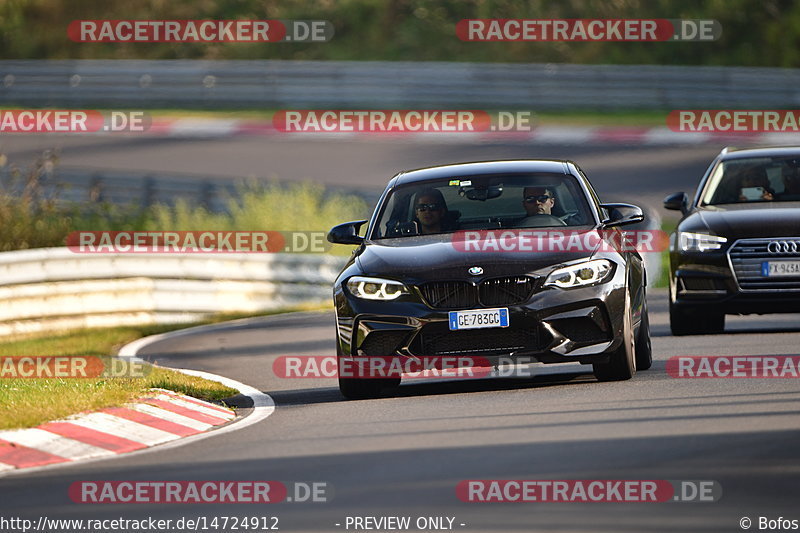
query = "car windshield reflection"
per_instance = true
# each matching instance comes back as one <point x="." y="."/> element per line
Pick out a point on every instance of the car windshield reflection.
<point x="753" y="180"/>
<point x="481" y="203"/>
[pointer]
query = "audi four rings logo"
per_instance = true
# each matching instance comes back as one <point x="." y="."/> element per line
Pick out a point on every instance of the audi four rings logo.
<point x="783" y="247"/>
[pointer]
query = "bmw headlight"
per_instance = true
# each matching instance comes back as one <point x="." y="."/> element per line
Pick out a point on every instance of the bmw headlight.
<point x="580" y="274"/>
<point x="699" y="242"/>
<point x="375" y="288"/>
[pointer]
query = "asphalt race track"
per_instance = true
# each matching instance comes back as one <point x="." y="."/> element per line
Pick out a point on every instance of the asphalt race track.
<point x="618" y="172"/>
<point x="404" y="455"/>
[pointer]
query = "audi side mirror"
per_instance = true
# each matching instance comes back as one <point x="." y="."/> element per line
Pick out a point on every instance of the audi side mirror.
<point x="677" y="202"/>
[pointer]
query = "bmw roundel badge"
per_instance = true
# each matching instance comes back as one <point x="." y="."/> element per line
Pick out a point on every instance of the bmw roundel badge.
<point x="476" y="271"/>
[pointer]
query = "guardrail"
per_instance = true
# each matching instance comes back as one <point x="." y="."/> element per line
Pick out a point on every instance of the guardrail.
<point x="89" y="185"/>
<point x="364" y="84"/>
<point x="55" y="288"/>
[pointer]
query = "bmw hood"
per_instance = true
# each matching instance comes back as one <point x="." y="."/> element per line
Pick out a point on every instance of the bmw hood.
<point x="432" y="257"/>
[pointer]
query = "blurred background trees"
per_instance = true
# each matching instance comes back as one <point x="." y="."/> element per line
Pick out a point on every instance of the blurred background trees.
<point x="755" y="32"/>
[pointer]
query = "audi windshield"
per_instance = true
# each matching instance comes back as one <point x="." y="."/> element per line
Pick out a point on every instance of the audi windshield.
<point x="758" y="179"/>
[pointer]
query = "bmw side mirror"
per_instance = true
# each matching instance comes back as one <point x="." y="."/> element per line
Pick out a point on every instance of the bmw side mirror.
<point x="676" y="202"/>
<point x="622" y="214"/>
<point x="346" y="233"/>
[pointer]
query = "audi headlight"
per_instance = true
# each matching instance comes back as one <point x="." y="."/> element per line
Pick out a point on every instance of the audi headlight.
<point x="376" y="288"/>
<point x="580" y="275"/>
<point x="699" y="242"/>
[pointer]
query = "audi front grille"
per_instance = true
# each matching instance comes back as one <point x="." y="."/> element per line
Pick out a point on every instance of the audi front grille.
<point x="747" y="256"/>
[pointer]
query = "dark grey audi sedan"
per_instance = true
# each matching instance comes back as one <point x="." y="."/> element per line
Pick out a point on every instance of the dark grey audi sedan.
<point x="470" y="260"/>
<point x="737" y="248"/>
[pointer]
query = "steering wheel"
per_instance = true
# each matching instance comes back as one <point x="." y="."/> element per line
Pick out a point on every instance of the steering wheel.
<point x="540" y="221"/>
<point x="569" y="215"/>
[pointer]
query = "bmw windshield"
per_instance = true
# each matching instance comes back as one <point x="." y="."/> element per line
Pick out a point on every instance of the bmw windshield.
<point x="481" y="203"/>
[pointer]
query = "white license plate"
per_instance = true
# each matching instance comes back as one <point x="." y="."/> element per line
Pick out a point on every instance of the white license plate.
<point x="780" y="268"/>
<point x="479" y="318"/>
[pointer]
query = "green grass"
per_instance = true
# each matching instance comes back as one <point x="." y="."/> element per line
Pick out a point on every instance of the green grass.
<point x="668" y="226"/>
<point x="548" y="118"/>
<point x="609" y="119"/>
<point x="30" y="402"/>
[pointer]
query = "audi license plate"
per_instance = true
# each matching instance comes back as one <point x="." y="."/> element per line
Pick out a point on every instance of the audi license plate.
<point x="479" y="318"/>
<point x="780" y="268"/>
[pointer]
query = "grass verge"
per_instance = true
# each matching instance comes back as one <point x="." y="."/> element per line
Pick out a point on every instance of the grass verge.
<point x="668" y="226"/>
<point x="28" y="402"/>
<point x="549" y="118"/>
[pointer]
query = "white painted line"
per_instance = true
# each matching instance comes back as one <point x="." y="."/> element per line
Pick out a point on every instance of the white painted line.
<point x="263" y="406"/>
<point x="123" y="428"/>
<point x="557" y="135"/>
<point x="230" y="415"/>
<point x="169" y="416"/>
<point x="54" y="444"/>
<point x="667" y="136"/>
<point x="132" y="349"/>
<point x="188" y="127"/>
<point x="4" y="467"/>
<point x="780" y="138"/>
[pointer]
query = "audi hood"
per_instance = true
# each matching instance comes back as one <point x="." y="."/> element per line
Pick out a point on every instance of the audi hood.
<point x="744" y="221"/>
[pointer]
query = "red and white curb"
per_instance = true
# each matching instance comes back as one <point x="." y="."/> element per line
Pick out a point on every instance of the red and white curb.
<point x="163" y="419"/>
<point x="648" y="136"/>
<point x="160" y="417"/>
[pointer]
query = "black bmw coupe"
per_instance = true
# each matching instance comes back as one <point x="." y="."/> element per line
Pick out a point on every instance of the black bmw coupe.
<point x="477" y="259"/>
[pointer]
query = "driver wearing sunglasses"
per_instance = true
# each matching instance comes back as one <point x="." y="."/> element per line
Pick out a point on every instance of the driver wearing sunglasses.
<point x="538" y="201"/>
<point x="430" y="211"/>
